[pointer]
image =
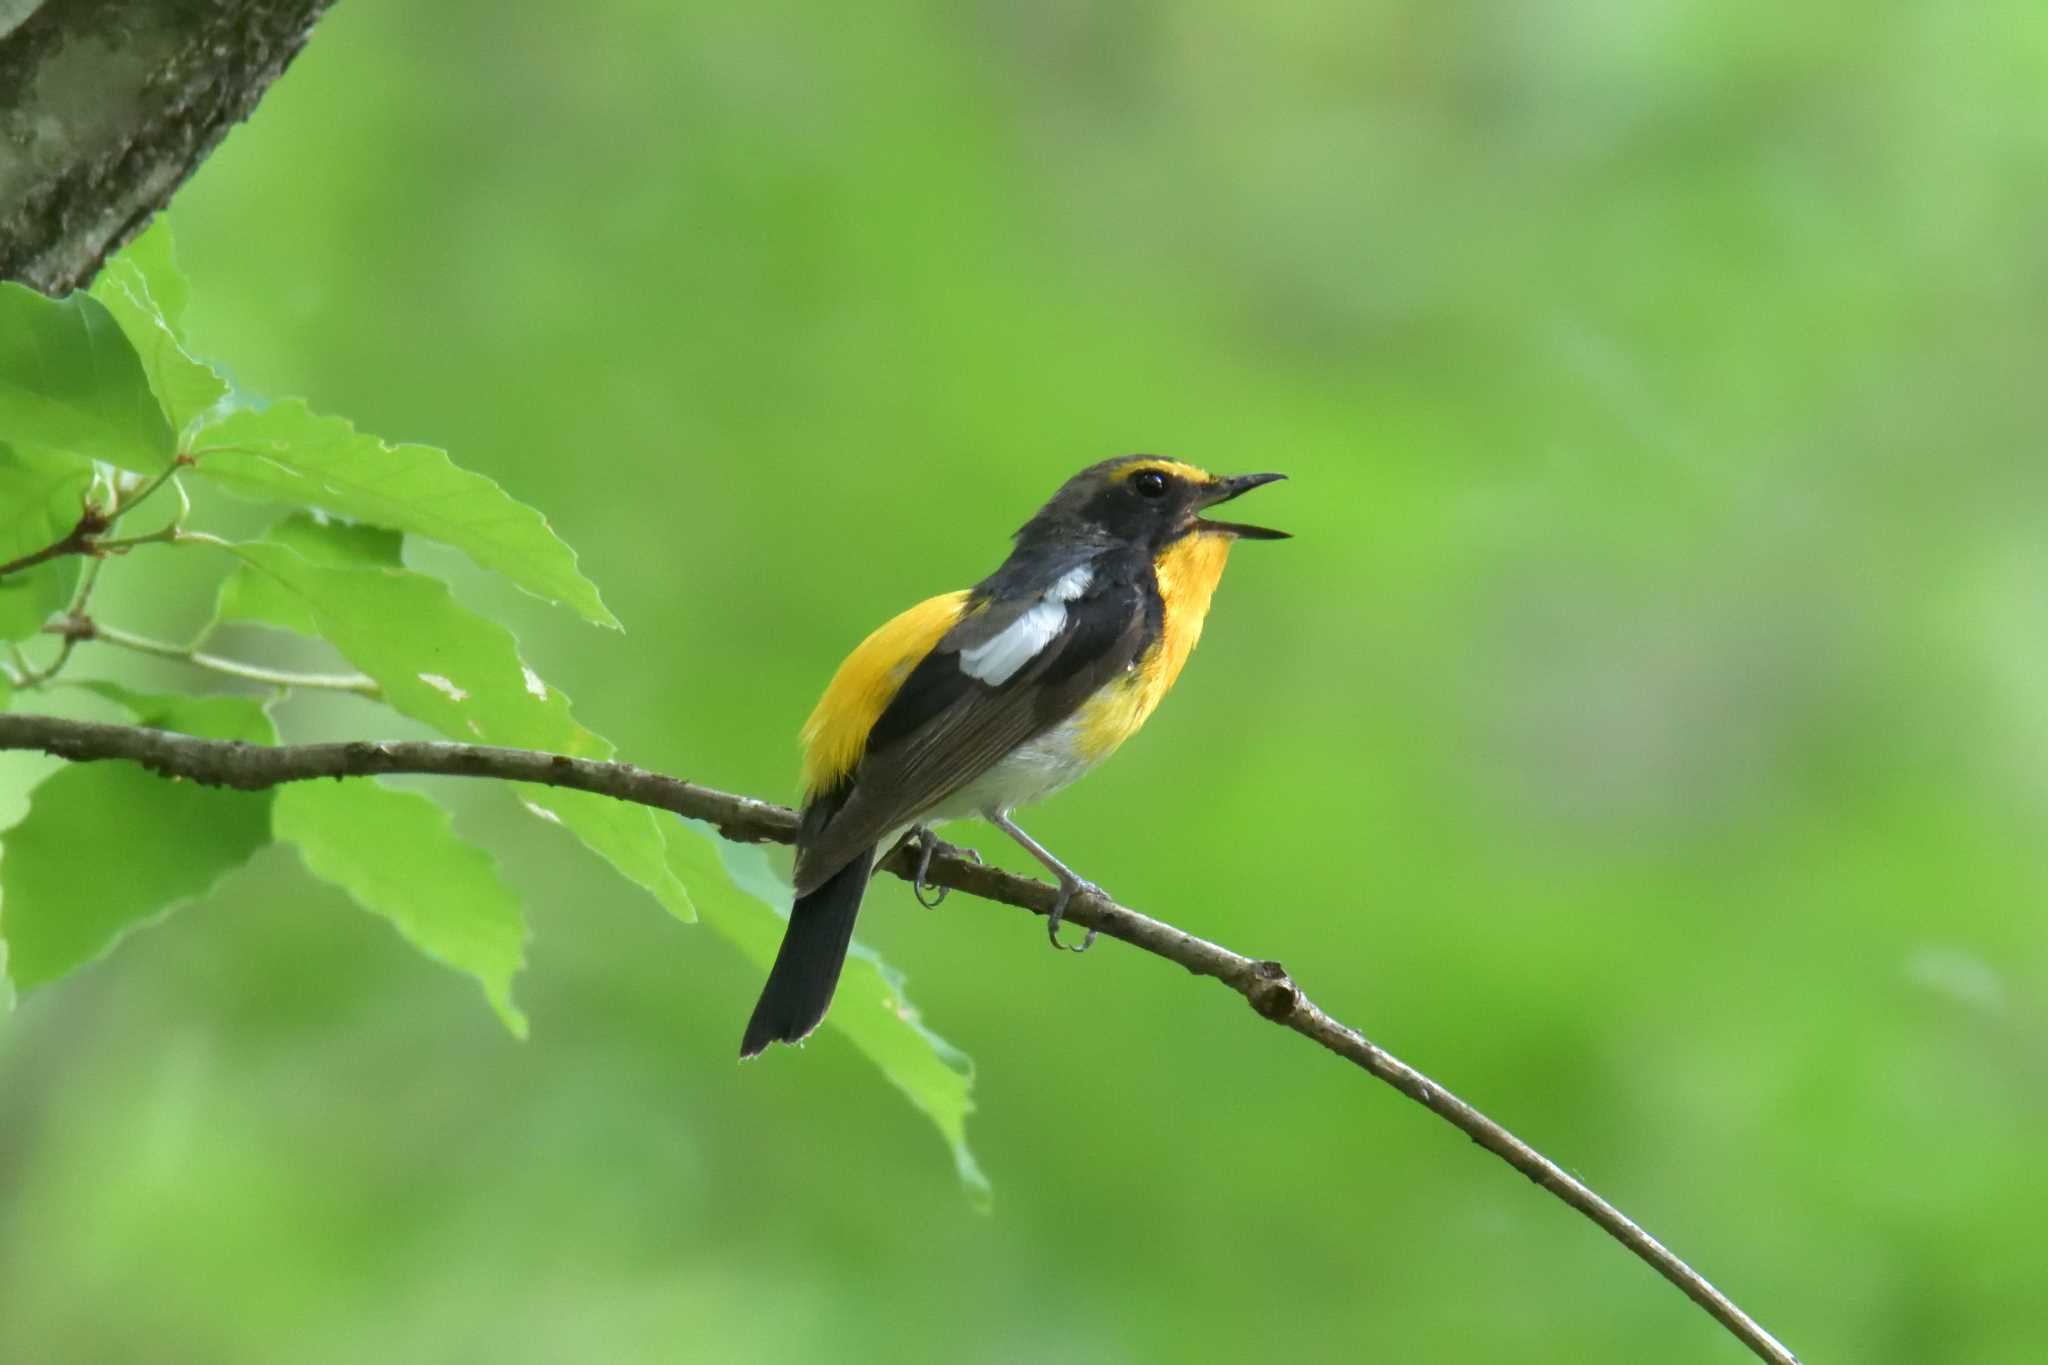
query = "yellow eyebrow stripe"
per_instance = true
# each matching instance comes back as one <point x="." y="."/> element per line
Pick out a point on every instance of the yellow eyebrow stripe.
<point x="1175" y="468"/>
<point x="836" y="735"/>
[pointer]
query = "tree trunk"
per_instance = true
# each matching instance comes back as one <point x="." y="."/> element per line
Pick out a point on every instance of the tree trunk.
<point x="107" y="105"/>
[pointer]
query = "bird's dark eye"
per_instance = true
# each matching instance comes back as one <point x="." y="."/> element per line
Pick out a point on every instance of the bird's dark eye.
<point x="1150" y="483"/>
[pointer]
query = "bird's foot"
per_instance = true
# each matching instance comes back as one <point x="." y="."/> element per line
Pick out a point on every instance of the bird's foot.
<point x="1070" y="887"/>
<point x="928" y="846"/>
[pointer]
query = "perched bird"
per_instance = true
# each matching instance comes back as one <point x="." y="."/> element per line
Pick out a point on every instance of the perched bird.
<point x="977" y="702"/>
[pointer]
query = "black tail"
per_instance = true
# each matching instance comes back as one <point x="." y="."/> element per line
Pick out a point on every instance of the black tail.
<point x="806" y="969"/>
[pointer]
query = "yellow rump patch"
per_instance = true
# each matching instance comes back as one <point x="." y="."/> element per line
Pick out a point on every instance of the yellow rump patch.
<point x="837" y="733"/>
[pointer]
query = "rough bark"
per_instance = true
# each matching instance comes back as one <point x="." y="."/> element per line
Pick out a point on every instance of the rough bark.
<point x="106" y="106"/>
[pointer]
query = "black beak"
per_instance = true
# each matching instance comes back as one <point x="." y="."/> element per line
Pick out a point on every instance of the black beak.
<point x="1223" y="490"/>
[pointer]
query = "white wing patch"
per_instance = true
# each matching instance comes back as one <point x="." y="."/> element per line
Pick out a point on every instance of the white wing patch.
<point x="1071" y="584"/>
<point x="995" y="661"/>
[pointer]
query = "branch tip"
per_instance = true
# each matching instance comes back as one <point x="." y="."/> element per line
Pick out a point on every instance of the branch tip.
<point x="1263" y="983"/>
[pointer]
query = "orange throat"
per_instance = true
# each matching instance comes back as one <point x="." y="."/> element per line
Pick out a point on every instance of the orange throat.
<point x="1188" y="572"/>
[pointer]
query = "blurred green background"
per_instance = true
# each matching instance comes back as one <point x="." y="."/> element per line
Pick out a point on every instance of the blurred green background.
<point x="1647" y="734"/>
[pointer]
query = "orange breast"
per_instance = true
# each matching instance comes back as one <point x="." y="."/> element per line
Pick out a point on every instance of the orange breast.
<point x="1188" y="573"/>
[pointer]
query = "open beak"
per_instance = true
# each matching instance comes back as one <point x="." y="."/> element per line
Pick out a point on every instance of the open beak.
<point x="1223" y="490"/>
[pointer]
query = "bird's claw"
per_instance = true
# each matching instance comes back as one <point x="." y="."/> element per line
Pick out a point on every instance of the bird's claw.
<point x="928" y="845"/>
<point x="1068" y="890"/>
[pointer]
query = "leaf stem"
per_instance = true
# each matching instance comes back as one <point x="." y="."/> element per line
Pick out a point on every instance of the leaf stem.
<point x="167" y="475"/>
<point x="36" y="677"/>
<point x="95" y="521"/>
<point x="163" y="535"/>
<point x="233" y="668"/>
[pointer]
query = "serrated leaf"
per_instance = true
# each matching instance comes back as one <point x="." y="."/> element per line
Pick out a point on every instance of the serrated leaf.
<point x="107" y="846"/>
<point x="396" y="855"/>
<point x="741" y="899"/>
<point x="447" y="667"/>
<point x="71" y="383"/>
<point x="39" y="505"/>
<point x="288" y="454"/>
<point x="257" y="597"/>
<point x="142" y="289"/>
<point x="154" y="256"/>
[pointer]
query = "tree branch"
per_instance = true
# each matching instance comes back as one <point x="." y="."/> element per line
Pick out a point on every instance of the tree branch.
<point x="1271" y="992"/>
<point x="106" y="106"/>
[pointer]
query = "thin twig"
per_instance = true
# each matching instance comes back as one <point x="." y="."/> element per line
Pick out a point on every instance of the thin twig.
<point x="36" y="677"/>
<point x="87" y="581"/>
<point x="67" y="626"/>
<point x="83" y="628"/>
<point x="78" y="540"/>
<point x="163" y="535"/>
<point x="94" y="521"/>
<point x="168" y="474"/>
<point x="87" y="538"/>
<point x="1266" y="985"/>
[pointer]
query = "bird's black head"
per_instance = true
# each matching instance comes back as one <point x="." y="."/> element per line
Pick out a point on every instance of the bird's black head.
<point x="1144" y="500"/>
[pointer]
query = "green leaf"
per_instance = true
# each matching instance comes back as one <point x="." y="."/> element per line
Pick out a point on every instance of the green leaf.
<point x="287" y="454"/>
<point x="217" y="717"/>
<point x="340" y="545"/>
<point x="107" y="846"/>
<point x="70" y="382"/>
<point x="394" y="852"/>
<point x="742" y="900"/>
<point x="449" y="668"/>
<point x="39" y="504"/>
<point x="32" y="596"/>
<point x="146" y="295"/>
<point x="153" y="256"/>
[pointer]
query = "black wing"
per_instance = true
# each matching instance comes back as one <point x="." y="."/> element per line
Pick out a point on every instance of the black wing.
<point x="944" y="728"/>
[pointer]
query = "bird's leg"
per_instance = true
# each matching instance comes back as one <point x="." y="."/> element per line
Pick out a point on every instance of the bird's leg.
<point x="1072" y="883"/>
<point x="928" y="845"/>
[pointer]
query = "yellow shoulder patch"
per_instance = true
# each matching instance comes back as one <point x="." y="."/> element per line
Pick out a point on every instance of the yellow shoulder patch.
<point x="836" y="735"/>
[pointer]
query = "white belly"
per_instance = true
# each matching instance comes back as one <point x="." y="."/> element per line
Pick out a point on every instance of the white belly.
<point x="1031" y="772"/>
